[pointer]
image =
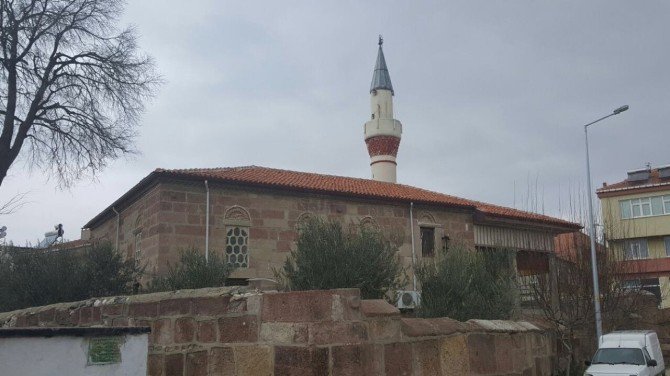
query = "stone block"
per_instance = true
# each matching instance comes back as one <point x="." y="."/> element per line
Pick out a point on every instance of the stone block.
<point x="184" y="330"/>
<point x="221" y="361"/>
<point x="454" y="356"/>
<point x="47" y="316"/>
<point x="207" y="331"/>
<point x="89" y="316"/>
<point x="283" y="333"/>
<point x="427" y="357"/>
<point x="329" y="332"/>
<point x="174" y="365"/>
<point x="238" y="329"/>
<point x="112" y="309"/>
<point x="398" y="359"/>
<point x="196" y="364"/>
<point x="172" y="307"/>
<point x="30" y="319"/>
<point x="416" y="327"/>
<point x="504" y="354"/>
<point x="300" y="361"/>
<point x="378" y="308"/>
<point x="155" y="365"/>
<point x="253" y="360"/>
<point x="143" y="310"/>
<point x="215" y="306"/>
<point x="384" y="329"/>
<point x="481" y="351"/>
<point x="445" y="326"/>
<point x="542" y="366"/>
<point x="297" y="306"/>
<point x="65" y="317"/>
<point x="161" y="332"/>
<point x="353" y="360"/>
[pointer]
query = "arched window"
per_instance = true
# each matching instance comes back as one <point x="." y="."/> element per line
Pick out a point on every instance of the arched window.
<point x="369" y="223"/>
<point x="237" y="222"/>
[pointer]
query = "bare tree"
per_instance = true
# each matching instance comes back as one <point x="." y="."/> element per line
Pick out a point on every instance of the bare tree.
<point x="72" y="85"/>
<point x="13" y="204"/>
<point x="573" y="316"/>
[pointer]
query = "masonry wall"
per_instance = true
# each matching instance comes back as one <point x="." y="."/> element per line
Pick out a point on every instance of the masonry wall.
<point x="176" y="220"/>
<point x="242" y="332"/>
<point x="140" y="217"/>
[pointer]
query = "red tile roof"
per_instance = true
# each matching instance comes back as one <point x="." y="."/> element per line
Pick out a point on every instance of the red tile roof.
<point x="329" y="184"/>
<point x="654" y="181"/>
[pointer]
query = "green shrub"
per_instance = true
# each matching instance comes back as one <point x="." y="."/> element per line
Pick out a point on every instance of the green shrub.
<point x="193" y="272"/>
<point x="463" y="284"/>
<point x="37" y="277"/>
<point x="327" y="257"/>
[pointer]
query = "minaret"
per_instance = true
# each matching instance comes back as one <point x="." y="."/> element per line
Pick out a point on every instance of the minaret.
<point x="382" y="132"/>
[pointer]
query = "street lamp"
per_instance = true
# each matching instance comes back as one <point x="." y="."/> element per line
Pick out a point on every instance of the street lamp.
<point x="592" y="226"/>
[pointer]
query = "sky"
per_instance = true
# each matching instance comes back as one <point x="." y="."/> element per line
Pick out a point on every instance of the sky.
<point x="493" y="96"/>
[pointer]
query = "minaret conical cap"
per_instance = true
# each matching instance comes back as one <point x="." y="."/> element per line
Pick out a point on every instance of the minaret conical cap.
<point x="381" y="78"/>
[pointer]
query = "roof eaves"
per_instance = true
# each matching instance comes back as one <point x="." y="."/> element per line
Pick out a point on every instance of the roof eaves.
<point x="190" y="176"/>
<point x="146" y="182"/>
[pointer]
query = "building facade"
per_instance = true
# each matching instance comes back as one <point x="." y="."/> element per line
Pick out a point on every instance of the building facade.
<point x="636" y="214"/>
<point x="250" y="215"/>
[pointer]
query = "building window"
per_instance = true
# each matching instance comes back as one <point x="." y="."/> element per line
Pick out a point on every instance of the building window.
<point x="645" y="207"/>
<point x="636" y="249"/>
<point x="667" y="246"/>
<point x="138" y="247"/>
<point x="427" y="241"/>
<point x="237" y="250"/>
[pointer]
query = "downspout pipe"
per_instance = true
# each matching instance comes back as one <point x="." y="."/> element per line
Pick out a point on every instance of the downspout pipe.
<point x="118" y="225"/>
<point x="207" y="223"/>
<point x="411" y="227"/>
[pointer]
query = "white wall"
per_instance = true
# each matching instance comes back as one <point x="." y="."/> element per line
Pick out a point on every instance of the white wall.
<point x="67" y="356"/>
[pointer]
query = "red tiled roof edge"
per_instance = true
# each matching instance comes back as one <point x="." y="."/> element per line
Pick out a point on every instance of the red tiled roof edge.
<point x="338" y="185"/>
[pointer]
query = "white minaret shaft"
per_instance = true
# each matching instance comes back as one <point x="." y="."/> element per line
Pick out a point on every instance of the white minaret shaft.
<point x="382" y="132"/>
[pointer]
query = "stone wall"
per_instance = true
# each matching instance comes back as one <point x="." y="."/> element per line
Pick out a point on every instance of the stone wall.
<point x="171" y="217"/>
<point x="236" y="331"/>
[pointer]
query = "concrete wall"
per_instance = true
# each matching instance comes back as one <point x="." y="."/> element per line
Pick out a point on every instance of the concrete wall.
<point x="241" y="332"/>
<point x="38" y="356"/>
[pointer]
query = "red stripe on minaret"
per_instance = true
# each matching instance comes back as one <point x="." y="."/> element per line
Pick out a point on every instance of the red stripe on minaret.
<point x="383" y="145"/>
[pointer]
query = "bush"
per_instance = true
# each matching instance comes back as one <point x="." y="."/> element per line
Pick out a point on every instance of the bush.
<point x="31" y="278"/>
<point x="193" y="272"/>
<point x="463" y="284"/>
<point x="328" y="258"/>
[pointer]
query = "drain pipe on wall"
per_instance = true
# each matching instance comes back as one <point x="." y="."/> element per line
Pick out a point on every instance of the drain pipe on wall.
<point x="118" y="224"/>
<point x="207" y="224"/>
<point x="411" y="227"/>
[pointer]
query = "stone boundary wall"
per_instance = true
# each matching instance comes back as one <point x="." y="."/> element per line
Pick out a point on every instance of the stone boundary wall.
<point x="238" y="331"/>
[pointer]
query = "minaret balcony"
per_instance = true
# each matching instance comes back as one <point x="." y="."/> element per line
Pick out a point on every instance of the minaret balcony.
<point x="383" y="127"/>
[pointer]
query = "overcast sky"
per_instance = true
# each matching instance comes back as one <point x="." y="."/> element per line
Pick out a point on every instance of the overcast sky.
<point x="492" y="96"/>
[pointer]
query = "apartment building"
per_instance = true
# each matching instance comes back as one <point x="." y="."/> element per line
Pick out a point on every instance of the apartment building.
<point x="636" y="215"/>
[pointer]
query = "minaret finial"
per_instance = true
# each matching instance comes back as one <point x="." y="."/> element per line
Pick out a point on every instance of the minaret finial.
<point x="381" y="40"/>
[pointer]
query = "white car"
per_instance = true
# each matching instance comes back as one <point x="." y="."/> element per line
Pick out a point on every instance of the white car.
<point x="627" y="353"/>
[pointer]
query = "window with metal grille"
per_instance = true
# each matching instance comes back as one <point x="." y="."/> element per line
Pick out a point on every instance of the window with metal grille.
<point x="237" y="246"/>
<point x="427" y="241"/>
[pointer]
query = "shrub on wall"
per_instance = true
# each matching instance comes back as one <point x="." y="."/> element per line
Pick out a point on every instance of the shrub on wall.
<point x="193" y="272"/>
<point x="328" y="257"/>
<point x="36" y="277"/>
<point x="464" y="284"/>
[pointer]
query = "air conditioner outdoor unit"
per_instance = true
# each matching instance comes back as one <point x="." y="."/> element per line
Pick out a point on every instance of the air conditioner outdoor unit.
<point x="408" y="299"/>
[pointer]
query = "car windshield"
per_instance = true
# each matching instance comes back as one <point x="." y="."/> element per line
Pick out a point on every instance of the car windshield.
<point x="619" y="356"/>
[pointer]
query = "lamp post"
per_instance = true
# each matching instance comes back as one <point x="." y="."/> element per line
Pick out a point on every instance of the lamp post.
<point x="592" y="227"/>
